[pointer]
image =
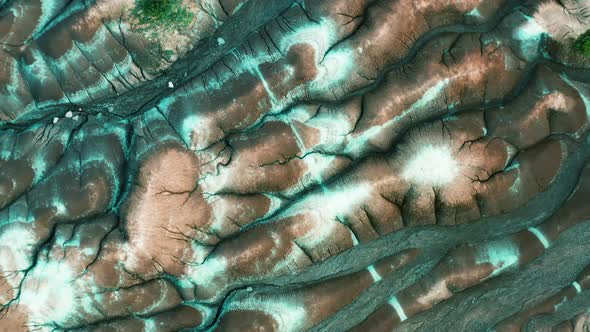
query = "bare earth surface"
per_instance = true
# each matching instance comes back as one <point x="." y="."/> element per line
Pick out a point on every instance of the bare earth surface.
<point x="281" y="165"/>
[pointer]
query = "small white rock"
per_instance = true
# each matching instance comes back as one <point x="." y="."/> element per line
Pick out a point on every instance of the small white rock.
<point x="75" y="118"/>
<point x="55" y="120"/>
<point x="220" y="41"/>
<point x="69" y="114"/>
<point x="170" y="85"/>
<point x="249" y="289"/>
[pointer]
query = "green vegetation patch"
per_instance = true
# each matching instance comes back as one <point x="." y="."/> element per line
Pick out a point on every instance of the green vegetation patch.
<point x="582" y="44"/>
<point x="157" y="14"/>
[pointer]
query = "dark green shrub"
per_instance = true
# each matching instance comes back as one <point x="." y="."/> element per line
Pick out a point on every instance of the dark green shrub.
<point x="167" y="14"/>
<point x="582" y="44"/>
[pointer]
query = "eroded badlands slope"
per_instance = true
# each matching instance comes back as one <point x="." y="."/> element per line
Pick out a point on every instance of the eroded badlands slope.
<point x="334" y="165"/>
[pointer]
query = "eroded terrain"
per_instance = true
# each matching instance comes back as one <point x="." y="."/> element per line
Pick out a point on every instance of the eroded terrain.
<point x="275" y="165"/>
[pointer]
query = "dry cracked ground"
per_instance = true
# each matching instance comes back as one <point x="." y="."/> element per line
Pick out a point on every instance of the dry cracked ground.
<point x="280" y="165"/>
